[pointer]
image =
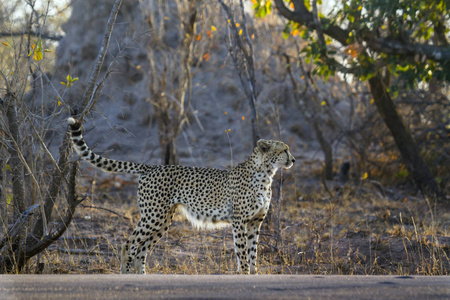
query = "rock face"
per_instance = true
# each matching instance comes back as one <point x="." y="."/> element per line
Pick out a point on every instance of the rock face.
<point x="123" y="122"/>
<point x="121" y="118"/>
<point x="124" y="99"/>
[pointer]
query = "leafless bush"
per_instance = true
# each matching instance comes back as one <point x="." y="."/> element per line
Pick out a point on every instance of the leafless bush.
<point x="38" y="191"/>
<point x="172" y="56"/>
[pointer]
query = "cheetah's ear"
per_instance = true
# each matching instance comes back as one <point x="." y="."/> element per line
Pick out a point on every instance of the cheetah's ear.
<point x="263" y="145"/>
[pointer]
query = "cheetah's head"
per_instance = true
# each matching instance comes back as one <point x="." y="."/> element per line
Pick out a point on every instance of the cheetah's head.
<point x="275" y="154"/>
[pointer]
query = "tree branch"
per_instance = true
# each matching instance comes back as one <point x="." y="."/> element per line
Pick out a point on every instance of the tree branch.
<point x="88" y="96"/>
<point x="243" y="61"/>
<point x="36" y="34"/>
<point x="303" y="16"/>
<point x="15" y="162"/>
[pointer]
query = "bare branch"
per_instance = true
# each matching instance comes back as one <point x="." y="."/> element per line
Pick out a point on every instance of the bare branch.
<point x="241" y="51"/>
<point x="14" y="230"/>
<point x="32" y="33"/>
<point x="39" y="239"/>
<point x="89" y="95"/>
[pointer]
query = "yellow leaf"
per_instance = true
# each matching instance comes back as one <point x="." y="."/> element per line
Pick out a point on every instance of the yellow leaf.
<point x="38" y="55"/>
<point x="138" y="67"/>
<point x="323" y="103"/>
<point x="238" y="25"/>
<point x="365" y="175"/>
<point x="206" y="56"/>
<point x="6" y="44"/>
<point x="243" y="118"/>
<point x="59" y="103"/>
<point x="253" y="36"/>
<point x="9" y="198"/>
<point x="359" y="7"/>
<point x="198" y="37"/>
<point x="240" y="32"/>
<point x="63" y="83"/>
<point x="225" y="112"/>
<point x="372" y="101"/>
<point x="213" y="28"/>
<point x="8" y="167"/>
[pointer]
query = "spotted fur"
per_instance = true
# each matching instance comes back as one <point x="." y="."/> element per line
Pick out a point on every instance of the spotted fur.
<point x="209" y="198"/>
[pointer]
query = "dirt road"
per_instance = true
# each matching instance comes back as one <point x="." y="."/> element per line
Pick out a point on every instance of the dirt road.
<point x="222" y="286"/>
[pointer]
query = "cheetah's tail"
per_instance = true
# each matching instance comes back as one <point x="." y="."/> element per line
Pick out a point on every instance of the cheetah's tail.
<point x="106" y="164"/>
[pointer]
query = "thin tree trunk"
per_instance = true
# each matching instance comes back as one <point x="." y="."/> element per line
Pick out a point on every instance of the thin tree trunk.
<point x="16" y="165"/>
<point x="327" y="151"/>
<point x="172" y="102"/>
<point x="402" y="137"/>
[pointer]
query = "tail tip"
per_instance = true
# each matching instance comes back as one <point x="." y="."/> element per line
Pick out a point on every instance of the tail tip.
<point x="74" y="123"/>
<point x="71" y="121"/>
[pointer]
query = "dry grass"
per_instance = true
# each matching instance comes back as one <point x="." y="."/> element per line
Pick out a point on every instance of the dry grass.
<point x="359" y="228"/>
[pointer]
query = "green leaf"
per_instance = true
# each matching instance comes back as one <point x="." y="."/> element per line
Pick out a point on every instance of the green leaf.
<point x="402" y="69"/>
<point x="307" y="4"/>
<point x="351" y="18"/>
<point x="287" y="30"/>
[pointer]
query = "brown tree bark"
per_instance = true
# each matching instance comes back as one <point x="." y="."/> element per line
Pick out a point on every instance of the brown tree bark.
<point x="402" y="137"/>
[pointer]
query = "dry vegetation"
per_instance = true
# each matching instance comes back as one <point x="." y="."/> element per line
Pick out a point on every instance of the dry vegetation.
<point x="374" y="223"/>
<point x="357" y="228"/>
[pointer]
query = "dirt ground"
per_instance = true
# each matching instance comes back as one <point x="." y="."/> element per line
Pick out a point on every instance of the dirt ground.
<point x="355" y="230"/>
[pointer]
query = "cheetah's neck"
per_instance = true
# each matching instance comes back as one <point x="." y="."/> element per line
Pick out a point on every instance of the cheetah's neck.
<point x="256" y="162"/>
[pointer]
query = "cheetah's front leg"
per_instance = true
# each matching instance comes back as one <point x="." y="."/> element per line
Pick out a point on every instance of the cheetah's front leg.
<point x="240" y="245"/>
<point x="253" y="229"/>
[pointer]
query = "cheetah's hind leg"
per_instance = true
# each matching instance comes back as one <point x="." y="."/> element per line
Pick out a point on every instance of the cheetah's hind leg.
<point x="125" y="266"/>
<point x="153" y="236"/>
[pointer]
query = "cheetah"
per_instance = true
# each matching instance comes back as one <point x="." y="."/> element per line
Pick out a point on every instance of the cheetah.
<point x="208" y="197"/>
